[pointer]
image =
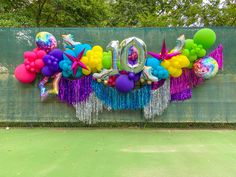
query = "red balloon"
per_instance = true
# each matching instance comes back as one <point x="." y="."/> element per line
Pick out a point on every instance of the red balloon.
<point x="23" y="75"/>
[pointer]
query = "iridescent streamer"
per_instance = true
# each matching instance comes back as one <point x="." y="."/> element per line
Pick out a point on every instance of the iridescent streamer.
<point x="75" y="91"/>
<point x="160" y="99"/>
<point x="116" y="100"/>
<point x="87" y="111"/>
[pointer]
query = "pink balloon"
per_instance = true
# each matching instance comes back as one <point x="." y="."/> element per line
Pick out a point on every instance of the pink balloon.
<point x="41" y="53"/>
<point x="23" y="75"/>
<point x="31" y="56"/>
<point x="39" y="63"/>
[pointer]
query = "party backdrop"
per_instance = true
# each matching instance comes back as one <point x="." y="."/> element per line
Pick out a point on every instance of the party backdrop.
<point x="214" y="101"/>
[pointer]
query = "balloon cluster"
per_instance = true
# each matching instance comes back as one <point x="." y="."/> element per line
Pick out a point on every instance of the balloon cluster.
<point x="206" y="67"/>
<point x="175" y="65"/>
<point x="33" y="63"/>
<point x="51" y="61"/>
<point x="93" y="60"/>
<point x="66" y="65"/>
<point x="33" y="60"/>
<point x="157" y="70"/>
<point x="196" y="48"/>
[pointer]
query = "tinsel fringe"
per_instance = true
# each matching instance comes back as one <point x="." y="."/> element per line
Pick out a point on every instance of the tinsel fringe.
<point x="217" y="54"/>
<point x="160" y="99"/>
<point x="115" y="100"/>
<point x="87" y="111"/>
<point x="184" y="95"/>
<point x="75" y="91"/>
<point x="180" y="85"/>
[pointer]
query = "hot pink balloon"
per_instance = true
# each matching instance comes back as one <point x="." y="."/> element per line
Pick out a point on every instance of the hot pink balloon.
<point x="24" y="76"/>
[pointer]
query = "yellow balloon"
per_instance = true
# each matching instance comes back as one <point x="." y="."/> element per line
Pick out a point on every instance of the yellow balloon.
<point x="89" y="53"/>
<point x="177" y="73"/>
<point x="97" y="48"/>
<point x="171" y="70"/>
<point x="86" y="72"/>
<point x="99" y="67"/>
<point x="84" y="60"/>
<point x="165" y="64"/>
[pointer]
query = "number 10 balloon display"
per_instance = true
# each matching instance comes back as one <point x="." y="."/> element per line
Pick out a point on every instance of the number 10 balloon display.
<point x="120" y="52"/>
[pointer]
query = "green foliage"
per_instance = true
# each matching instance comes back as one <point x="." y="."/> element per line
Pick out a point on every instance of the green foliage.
<point x="100" y="13"/>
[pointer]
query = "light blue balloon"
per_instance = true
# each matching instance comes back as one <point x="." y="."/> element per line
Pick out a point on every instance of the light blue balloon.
<point x="153" y="62"/>
<point x="69" y="52"/>
<point x="78" y="48"/>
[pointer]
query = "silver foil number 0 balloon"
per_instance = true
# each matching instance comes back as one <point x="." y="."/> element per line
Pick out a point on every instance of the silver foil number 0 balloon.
<point x="124" y="54"/>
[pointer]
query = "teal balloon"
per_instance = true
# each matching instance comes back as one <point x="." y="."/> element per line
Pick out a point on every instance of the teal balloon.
<point x="78" y="48"/>
<point x="206" y="37"/>
<point x="153" y="62"/>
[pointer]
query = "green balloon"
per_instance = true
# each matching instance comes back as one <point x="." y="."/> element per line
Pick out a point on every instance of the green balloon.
<point x="185" y="52"/>
<point x="190" y="65"/>
<point x="201" y="53"/>
<point x="192" y="58"/>
<point x="192" y="52"/>
<point x="206" y="37"/>
<point x="119" y="65"/>
<point x="107" y="60"/>
<point x="189" y="43"/>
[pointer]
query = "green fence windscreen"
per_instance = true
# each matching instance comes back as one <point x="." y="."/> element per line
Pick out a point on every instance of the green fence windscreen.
<point x="214" y="101"/>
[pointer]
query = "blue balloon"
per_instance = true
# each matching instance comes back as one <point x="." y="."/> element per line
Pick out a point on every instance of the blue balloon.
<point x="153" y="62"/>
<point x="69" y="52"/>
<point x="78" y="48"/>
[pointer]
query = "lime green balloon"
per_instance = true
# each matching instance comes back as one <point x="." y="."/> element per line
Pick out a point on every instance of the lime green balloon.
<point x="190" y="65"/>
<point x="189" y="43"/>
<point x="107" y="60"/>
<point x="192" y="58"/>
<point x="185" y="52"/>
<point x="206" y="37"/>
<point x="119" y="65"/>
<point x="192" y="52"/>
<point x="201" y="53"/>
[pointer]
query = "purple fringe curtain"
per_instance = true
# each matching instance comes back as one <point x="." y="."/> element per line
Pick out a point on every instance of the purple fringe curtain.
<point x="180" y="88"/>
<point x="184" y="95"/>
<point x="75" y="91"/>
<point x="217" y="54"/>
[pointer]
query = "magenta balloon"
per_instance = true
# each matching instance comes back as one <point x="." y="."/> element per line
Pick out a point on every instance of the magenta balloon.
<point x="23" y="75"/>
<point x="124" y="84"/>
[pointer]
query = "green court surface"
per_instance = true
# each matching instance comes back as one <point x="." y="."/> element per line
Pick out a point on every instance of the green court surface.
<point x="117" y="153"/>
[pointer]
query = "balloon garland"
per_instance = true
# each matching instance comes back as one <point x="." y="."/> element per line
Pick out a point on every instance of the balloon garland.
<point x="123" y="76"/>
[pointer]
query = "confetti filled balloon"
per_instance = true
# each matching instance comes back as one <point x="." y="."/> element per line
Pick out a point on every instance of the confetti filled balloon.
<point x="45" y="41"/>
<point x="206" y="67"/>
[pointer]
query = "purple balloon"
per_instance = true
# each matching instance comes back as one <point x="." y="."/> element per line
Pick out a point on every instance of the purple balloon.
<point x="124" y="84"/>
<point x="132" y="76"/>
<point x="47" y="72"/>
<point x="57" y="53"/>
<point x="46" y="58"/>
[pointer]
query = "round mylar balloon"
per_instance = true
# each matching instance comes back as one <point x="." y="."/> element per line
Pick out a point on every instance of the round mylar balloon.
<point x="206" y="67"/>
<point x="45" y="41"/>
